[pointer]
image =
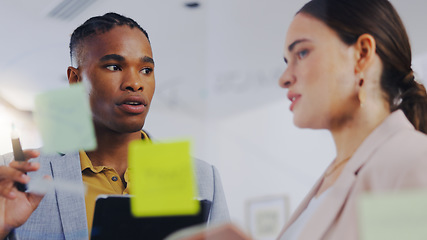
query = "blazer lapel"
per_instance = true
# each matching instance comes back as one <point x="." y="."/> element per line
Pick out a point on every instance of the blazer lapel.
<point x="71" y="205"/>
<point x="303" y="205"/>
<point x="328" y="211"/>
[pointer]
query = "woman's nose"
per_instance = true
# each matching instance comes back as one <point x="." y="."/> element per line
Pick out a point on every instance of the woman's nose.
<point x="287" y="79"/>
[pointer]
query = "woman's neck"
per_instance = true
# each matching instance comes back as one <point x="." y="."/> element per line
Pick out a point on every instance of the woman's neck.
<point x="351" y="134"/>
<point x="347" y="139"/>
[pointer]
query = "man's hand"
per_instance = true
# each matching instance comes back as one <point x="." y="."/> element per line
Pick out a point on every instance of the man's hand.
<point x="15" y="206"/>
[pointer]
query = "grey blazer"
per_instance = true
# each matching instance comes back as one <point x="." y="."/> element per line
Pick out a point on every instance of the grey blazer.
<point x="62" y="215"/>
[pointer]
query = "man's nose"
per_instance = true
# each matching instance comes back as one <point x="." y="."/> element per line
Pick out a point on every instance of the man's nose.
<point x="133" y="82"/>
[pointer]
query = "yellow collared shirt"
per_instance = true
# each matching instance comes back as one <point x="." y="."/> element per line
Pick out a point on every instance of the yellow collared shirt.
<point x="101" y="180"/>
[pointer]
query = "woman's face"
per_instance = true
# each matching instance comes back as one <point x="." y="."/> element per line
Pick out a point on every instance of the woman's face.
<point x="320" y="76"/>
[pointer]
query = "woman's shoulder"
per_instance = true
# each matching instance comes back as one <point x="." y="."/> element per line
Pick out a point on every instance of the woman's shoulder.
<point x="403" y="148"/>
<point x="399" y="161"/>
<point x="408" y="144"/>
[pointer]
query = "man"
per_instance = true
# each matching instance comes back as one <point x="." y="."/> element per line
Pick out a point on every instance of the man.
<point x="112" y="56"/>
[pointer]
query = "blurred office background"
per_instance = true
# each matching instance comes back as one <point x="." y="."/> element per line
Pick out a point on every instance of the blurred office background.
<point x="217" y="67"/>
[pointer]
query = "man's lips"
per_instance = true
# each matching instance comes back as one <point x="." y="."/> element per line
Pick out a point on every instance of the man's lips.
<point x="293" y="97"/>
<point x="135" y="104"/>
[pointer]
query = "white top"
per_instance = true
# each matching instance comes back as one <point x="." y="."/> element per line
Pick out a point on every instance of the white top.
<point x="295" y="229"/>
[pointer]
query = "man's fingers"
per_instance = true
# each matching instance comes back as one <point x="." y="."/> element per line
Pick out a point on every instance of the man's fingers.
<point x="13" y="175"/>
<point x="8" y="191"/>
<point x="31" y="154"/>
<point x="25" y="166"/>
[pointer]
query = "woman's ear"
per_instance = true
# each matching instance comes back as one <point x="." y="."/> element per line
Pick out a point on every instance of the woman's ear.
<point x="365" y="52"/>
<point x="73" y="75"/>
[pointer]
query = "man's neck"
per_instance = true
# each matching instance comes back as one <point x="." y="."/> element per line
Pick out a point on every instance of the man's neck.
<point x="112" y="150"/>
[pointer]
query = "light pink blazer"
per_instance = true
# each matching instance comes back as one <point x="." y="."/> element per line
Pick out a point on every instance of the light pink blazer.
<point x="393" y="157"/>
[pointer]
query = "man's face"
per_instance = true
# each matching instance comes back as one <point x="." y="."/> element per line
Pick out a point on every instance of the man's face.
<point x="117" y="68"/>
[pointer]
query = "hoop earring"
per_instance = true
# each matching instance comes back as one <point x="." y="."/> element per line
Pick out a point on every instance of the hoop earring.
<point x="362" y="92"/>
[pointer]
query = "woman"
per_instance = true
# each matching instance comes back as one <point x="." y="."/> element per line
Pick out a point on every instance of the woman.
<point x="349" y="71"/>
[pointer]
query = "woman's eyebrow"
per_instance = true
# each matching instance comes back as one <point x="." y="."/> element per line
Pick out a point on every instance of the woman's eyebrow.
<point x="292" y="45"/>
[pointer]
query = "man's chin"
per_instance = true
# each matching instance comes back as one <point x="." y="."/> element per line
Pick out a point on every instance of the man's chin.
<point x="122" y="126"/>
<point x="132" y="128"/>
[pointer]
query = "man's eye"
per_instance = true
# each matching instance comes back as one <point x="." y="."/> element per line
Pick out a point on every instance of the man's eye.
<point x="112" y="67"/>
<point x="146" y="70"/>
<point x="302" y="54"/>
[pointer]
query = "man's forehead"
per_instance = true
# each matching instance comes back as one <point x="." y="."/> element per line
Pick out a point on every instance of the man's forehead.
<point x="117" y="33"/>
<point x="113" y="40"/>
<point x="120" y="40"/>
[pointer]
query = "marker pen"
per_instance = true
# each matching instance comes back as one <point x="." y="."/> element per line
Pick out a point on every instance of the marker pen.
<point x="18" y="155"/>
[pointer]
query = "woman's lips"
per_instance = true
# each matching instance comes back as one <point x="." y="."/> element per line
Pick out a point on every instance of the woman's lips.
<point x="293" y="103"/>
<point x="293" y="97"/>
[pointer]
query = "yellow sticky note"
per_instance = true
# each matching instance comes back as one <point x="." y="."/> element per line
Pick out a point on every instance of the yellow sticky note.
<point x="162" y="179"/>
<point x="64" y="119"/>
<point x="397" y="215"/>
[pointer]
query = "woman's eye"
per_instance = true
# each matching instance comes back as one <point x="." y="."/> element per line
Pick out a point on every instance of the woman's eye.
<point x="146" y="70"/>
<point x="112" y="67"/>
<point x="302" y="54"/>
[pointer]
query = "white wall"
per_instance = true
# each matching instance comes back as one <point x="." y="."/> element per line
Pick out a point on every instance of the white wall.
<point x="260" y="153"/>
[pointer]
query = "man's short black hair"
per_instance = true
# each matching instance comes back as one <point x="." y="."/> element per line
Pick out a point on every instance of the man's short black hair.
<point x="99" y="25"/>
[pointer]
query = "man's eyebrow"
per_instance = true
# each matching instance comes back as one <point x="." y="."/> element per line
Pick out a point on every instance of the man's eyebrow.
<point x="147" y="59"/>
<point x="292" y="45"/>
<point x="109" y="57"/>
<point x="120" y="58"/>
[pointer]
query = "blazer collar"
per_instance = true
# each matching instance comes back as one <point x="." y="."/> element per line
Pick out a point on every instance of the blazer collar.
<point x="71" y="205"/>
<point x="322" y="219"/>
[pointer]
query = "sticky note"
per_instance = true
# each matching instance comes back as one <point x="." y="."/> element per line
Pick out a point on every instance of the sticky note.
<point x="162" y="179"/>
<point x="397" y="215"/>
<point x="64" y="120"/>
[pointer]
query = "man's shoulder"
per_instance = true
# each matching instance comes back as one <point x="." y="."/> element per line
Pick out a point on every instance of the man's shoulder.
<point x="5" y="159"/>
<point x="201" y="164"/>
<point x="59" y="163"/>
<point x="203" y="169"/>
<point x="57" y="155"/>
<point x="8" y="157"/>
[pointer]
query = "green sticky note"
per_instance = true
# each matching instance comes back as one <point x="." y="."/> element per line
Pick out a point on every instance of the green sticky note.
<point x="397" y="215"/>
<point x="64" y="120"/>
<point x="162" y="179"/>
